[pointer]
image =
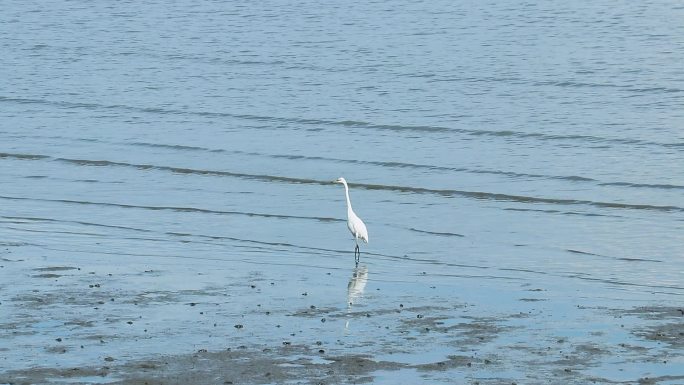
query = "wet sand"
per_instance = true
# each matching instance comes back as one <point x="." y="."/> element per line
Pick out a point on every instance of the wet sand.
<point x="84" y="319"/>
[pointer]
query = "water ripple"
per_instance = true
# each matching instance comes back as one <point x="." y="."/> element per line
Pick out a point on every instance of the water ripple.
<point x="479" y="195"/>
<point x="425" y="129"/>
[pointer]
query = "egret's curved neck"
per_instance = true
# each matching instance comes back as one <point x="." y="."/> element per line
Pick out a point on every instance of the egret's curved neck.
<point x="346" y="192"/>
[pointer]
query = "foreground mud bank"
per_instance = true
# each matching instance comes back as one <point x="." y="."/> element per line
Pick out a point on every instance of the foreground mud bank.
<point x="88" y="320"/>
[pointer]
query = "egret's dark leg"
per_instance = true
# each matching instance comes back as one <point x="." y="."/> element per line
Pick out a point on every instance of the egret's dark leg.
<point x="357" y="254"/>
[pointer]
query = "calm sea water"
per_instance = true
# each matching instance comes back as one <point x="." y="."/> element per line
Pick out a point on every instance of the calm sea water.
<point x="541" y="142"/>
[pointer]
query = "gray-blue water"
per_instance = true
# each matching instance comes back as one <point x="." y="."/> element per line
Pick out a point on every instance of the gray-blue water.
<point x="538" y="142"/>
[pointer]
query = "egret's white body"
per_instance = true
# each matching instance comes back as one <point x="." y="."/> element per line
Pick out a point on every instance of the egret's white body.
<point x="354" y="223"/>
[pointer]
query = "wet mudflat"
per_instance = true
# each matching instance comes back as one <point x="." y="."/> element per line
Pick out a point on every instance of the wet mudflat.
<point x="171" y="322"/>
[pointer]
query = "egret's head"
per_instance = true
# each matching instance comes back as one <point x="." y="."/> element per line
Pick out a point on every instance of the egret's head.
<point x="340" y="180"/>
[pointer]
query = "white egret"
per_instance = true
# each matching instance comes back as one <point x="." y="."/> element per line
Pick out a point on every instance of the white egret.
<point x="354" y="223"/>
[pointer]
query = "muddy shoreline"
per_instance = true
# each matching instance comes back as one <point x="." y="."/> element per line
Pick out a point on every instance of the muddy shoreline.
<point x="96" y="322"/>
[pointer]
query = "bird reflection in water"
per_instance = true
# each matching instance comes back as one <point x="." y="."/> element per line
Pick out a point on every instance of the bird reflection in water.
<point x="356" y="287"/>
<point x="357" y="284"/>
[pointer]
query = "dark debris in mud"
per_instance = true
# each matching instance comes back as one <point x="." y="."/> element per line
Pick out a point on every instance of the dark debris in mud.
<point x="663" y="324"/>
<point x="287" y="363"/>
<point x="654" y="312"/>
<point x="671" y="334"/>
<point x="244" y="366"/>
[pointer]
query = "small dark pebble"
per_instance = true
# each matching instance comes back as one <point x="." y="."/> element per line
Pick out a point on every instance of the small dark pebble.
<point x="419" y="316"/>
<point x="319" y="343"/>
<point x="401" y="305"/>
<point x="287" y="343"/>
<point x="238" y="326"/>
<point x="367" y="315"/>
<point x="268" y="313"/>
<point x="312" y="307"/>
<point x="567" y="370"/>
<point x="58" y="339"/>
<point x="202" y="351"/>
<point x="109" y="359"/>
<point x="130" y="322"/>
<point x="305" y="293"/>
<point x="252" y="286"/>
<point x="321" y="351"/>
<point x="487" y="361"/>
<point x="192" y="304"/>
<point x="81" y="346"/>
<point x="322" y="319"/>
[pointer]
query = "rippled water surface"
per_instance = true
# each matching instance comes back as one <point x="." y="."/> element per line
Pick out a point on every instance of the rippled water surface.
<point x="484" y="142"/>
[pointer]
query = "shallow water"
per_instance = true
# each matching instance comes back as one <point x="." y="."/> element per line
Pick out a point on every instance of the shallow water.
<point x="489" y="147"/>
